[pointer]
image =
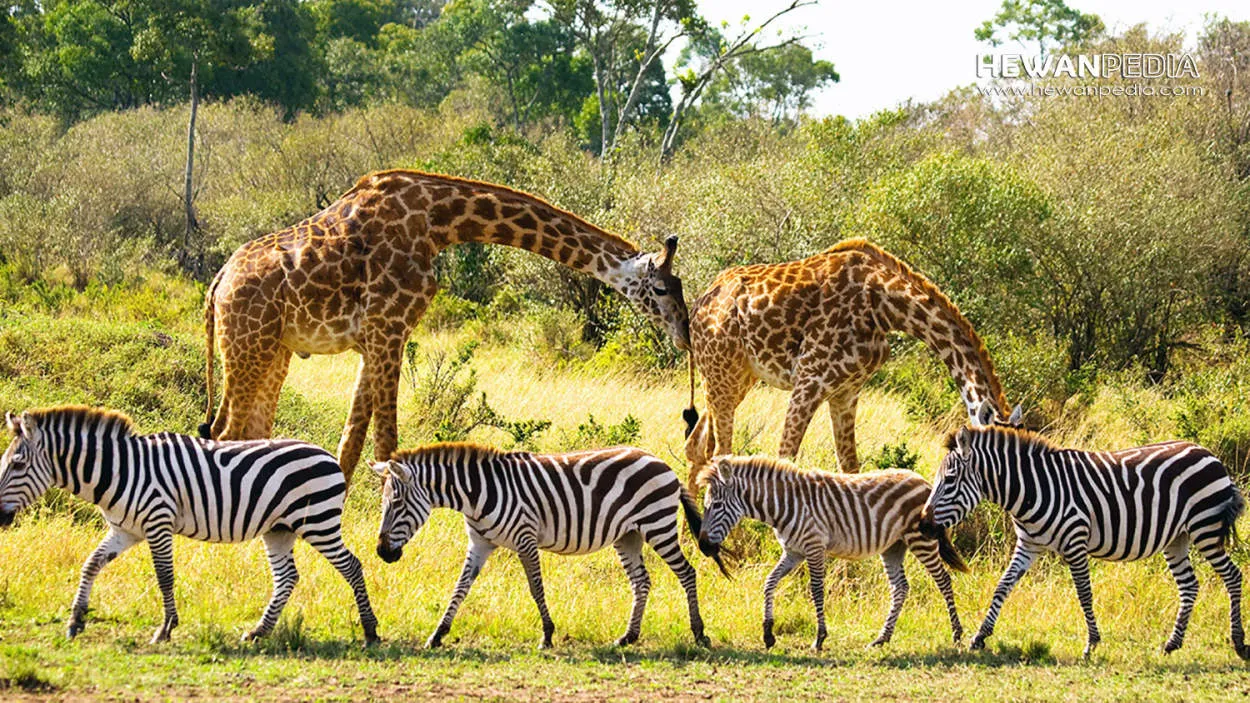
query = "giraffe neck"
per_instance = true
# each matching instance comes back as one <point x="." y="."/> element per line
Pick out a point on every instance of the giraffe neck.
<point x="905" y="301"/>
<point x="450" y="211"/>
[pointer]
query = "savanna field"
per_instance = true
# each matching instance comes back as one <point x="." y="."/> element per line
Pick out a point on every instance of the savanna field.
<point x="1100" y="248"/>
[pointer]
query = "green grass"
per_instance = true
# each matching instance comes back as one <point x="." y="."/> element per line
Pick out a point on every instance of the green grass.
<point x="316" y="652"/>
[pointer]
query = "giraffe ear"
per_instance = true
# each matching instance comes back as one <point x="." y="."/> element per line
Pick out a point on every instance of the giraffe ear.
<point x="670" y="248"/>
<point x="1017" y="417"/>
<point x="985" y="414"/>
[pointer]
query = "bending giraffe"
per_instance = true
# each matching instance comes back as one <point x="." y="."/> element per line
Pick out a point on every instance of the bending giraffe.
<point x="817" y="327"/>
<point x="359" y="275"/>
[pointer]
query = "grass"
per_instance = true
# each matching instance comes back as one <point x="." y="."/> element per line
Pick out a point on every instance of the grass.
<point x="316" y="652"/>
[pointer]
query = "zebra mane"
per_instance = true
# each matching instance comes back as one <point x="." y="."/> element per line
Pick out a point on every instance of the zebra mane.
<point x="782" y="469"/>
<point x="450" y="450"/>
<point x="101" y="420"/>
<point x="1028" y="438"/>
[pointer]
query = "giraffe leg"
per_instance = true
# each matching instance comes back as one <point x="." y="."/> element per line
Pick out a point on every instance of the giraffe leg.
<point x="386" y="399"/>
<point x="260" y="424"/>
<point x="249" y="325"/>
<point x="353" y="440"/>
<point x="842" y="415"/>
<point x="727" y="385"/>
<point x="806" y="397"/>
<point x="892" y="559"/>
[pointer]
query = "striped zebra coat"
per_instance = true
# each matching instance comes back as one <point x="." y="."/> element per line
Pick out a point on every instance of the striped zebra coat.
<point x="574" y="503"/>
<point x="815" y="514"/>
<point x="1118" y="506"/>
<point x="152" y="487"/>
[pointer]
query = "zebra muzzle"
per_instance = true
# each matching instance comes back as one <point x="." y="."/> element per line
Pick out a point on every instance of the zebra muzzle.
<point x="6" y="517"/>
<point x="387" y="553"/>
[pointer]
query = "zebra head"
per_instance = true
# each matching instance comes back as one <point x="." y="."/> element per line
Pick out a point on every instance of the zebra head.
<point x="723" y="506"/>
<point x="25" y="472"/>
<point x="405" y="508"/>
<point x="958" y="486"/>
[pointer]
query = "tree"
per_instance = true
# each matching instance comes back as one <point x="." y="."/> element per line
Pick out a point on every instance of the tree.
<point x="1041" y="21"/>
<point x="625" y="40"/>
<point x="776" y="84"/>
<point x="717" y="53"/>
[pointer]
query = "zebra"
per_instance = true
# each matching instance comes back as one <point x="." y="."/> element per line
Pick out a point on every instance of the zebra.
<point x="1117" y="506"/>
<point x="574" y="503"/>
<point x="152" y="487"/>
<point x="816" y="513"/>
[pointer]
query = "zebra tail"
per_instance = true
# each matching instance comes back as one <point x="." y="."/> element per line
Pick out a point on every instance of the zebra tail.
<point x="946" y="548"/>
<point x="690" y="415"/>
<point x="1229" y="512"/>
<point x="206" y="429"/>
<point x="695" y="522"/>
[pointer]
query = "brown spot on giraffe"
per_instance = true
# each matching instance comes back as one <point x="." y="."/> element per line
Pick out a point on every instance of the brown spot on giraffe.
<point x="817" y="327"/>
<point x="359" y="274"/>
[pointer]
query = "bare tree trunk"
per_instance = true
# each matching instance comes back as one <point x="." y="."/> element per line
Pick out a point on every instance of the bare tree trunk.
<point x="188" y="192"/>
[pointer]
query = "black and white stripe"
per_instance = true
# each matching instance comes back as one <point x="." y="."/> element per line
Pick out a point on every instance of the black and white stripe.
<point x="815" y="514"/>
<point x="573" y="503"/>
<point x="1118" y="506"/>
<point x="153" y="487"/>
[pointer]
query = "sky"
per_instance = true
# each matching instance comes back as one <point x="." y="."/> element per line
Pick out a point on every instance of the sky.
<point x="887" y="52"/>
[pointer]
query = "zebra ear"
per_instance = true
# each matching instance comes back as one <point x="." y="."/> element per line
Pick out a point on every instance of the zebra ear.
<point x="1017" y="417"/>
<point x="27" y="423"/>
<point x="14" y="425"/>
<point x="963" y="442"/>
<point x="379" y="468"/>
<point x="725" y="472"/>
<point x="400" y="471"/>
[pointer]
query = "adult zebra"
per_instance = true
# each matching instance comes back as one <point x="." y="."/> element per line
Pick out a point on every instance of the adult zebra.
<point x="574" y="503"/>
<point x="152" y="487"/>
<point x="1118" y="506"/>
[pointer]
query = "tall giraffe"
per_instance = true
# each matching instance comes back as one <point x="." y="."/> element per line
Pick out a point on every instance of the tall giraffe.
<point x="359" y="275"/>
<point x="817" y="327"/>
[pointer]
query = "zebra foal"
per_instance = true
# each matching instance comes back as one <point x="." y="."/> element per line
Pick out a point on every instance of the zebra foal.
<point x="815" y="514"/>
<point x="574" y="503"/>
<point x="152" y="487"/>
<point x="1117" y="506"/>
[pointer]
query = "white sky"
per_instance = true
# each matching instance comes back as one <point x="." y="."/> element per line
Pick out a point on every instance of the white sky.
<point x="887" y="52"/>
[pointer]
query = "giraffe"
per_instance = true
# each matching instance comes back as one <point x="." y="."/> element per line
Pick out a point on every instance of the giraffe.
<point x="817" y="327"/>
<point x="359" y="274"/>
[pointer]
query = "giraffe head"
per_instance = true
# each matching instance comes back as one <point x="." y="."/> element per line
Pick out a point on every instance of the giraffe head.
<point x="649" y="283"/>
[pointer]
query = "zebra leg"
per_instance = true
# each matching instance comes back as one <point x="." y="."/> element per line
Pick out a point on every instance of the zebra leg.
<point x="1078" y="563"/>
<point x="816" y="572"/>
<point x="1177" y="555"/>
<point x="629" y="549"/>
<point x="926" y="551"/>
<point x="667" y="545"/>
<point x="278" y="546"/>
<point x="161" y="542"/>
<point x="1216" y="555"/>
<point x="528" y="551"/>
<point x="113" y="544"/>
<point x="785" y="565"/>
<point x="892" y="558"/>
<point x="332" y="548"/>
<point x="479" y="551"/>
<point x="1021" y="560"/>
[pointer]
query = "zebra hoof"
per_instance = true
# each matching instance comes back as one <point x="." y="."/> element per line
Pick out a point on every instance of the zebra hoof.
<point x="434" y="642"/>
<point x="73" y="630"/>
<point x="627" y="640"/>
<point x="703" y="641"/>
<point x="977" y="644"/>
<point x="1169" y="647"/>
<point x="253" y="635"/>
<point x="879" y="642"/>
<point x="1243" y="651"/>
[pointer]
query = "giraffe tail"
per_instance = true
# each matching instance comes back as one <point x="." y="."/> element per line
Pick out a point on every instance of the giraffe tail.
<point x="690" y="414"/>
<point x="206" y="429"/>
